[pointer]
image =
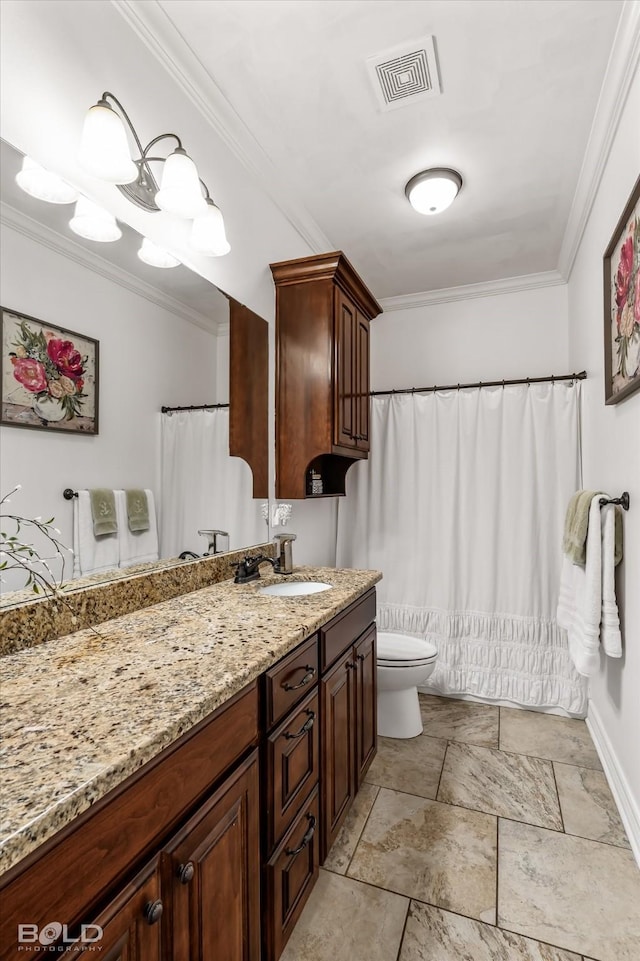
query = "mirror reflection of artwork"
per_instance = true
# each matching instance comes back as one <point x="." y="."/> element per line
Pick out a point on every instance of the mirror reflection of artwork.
<point x="49" y="376"/>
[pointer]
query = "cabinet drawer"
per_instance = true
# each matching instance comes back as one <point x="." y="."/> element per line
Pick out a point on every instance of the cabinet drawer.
<point x="292" y="766"/>
<point x="291" y="875"/>
<point x="343" y="630"/>
<point x="290" y="680"/>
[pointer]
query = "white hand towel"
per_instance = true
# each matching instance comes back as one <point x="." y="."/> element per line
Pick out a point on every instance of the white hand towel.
<point x="580" y="604"/>
<point x="91" y="554"/>
<point x="610" y="623"/>
<point x="137" y="547"/>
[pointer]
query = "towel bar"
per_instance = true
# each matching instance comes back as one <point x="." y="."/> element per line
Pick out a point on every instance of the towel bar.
<point x="623" y="501"/>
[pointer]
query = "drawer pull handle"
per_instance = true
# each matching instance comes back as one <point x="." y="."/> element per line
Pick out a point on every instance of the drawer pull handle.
<point x="311" y="830"/>
<point x="153" y="911"/>
<point x="311" y="673"/>
<point x="186" y="872"/>
<point x="306" y="727"/>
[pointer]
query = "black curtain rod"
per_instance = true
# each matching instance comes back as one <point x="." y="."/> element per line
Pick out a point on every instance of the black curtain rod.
<point x="483" y="383"/>
<point x="170" y="410"/>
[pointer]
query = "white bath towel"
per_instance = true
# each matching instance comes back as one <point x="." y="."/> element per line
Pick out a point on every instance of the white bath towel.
<point x="136" y="547"/>
<point x="610" y="621"/>
<point x="586" y="607"/>
<point x="91" y="554"/>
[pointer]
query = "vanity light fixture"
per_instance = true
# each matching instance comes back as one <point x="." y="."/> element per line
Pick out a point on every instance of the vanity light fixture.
<point x="104" y="153"/>
<point x="44" y="185"/>
<point x="432" y="191"/>
<point x="94" y="222"/>
<point x="155" y="256"/>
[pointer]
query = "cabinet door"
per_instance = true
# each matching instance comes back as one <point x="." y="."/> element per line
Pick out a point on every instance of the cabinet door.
<point x="338" y="746"/>
<point x="366" y="703"/>
<point x="131" y="924"/>
<point x="212" y="871"/>
<point x="344" y="386"/>
<point x="362" y="381"/>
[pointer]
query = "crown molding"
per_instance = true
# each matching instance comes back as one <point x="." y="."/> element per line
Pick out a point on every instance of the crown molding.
<point x="28" y="227"/>
<point x="491" y="288"/>
<point x="159" y="34"/>
<point x="621" y="68"/>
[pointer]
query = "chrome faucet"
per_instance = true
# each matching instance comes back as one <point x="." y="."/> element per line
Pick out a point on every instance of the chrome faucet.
<point x="212" y="538"/>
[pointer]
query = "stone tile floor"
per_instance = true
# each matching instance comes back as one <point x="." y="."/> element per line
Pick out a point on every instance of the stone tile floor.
<point x="491" y="837"/>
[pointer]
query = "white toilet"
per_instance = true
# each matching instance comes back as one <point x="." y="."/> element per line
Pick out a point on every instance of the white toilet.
<point x="403" y="663"/>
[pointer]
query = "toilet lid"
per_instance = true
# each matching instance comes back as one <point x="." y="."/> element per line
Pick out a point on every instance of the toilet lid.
<point x="400" y="647"/>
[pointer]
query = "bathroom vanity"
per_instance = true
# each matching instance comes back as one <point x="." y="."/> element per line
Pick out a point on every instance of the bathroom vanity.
<point x="174" y="783"/>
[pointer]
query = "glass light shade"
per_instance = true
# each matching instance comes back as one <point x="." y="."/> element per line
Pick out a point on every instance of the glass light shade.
<point x="104" y="150"/>
<point x="43" y="184"/>
<point x="94" y="222"/>
<point x="155" y="256"/>
<point x="207" y="232"/>
<point x="180" y="192"/>
<point x="432" y="191"/>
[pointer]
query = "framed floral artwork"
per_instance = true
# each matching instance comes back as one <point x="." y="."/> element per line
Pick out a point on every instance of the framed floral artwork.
<point x="622" y="305"/>
<point x="49" y="376"/>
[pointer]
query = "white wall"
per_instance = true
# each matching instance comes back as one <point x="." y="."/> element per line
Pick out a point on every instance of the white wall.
<point x="148" y="357"/>
<point x="516" y="334"/>
<point x="611" y="448"/>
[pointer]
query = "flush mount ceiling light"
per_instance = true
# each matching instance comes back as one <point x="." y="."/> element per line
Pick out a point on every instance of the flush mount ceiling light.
<point x="155" y="256"/>
<point x="104" y="153"/>
<point x="432" y="191"/>
<point x="44" y="185"/>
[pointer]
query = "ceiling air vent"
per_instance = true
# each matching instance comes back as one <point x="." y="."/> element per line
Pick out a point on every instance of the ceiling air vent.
<point x="405" y="74"/>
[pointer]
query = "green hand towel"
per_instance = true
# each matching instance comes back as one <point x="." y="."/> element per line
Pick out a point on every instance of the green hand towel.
<point x="576" y="527"/>
<point x="103" y="511"/>
<point x="137" y="510"/>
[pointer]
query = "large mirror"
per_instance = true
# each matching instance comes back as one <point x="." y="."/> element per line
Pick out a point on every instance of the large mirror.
<point x="167" y="338"/>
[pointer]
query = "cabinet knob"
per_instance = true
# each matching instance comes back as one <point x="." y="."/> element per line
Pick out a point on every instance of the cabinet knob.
<point x="306" y="727"/>
<point x="186" y="872"/>
<point x="350" y="665"/>
<point x="360" y="657"/>
<point x="311" y="673"/>
<point x="359" y="436"/>
<point x="153" y="911"/>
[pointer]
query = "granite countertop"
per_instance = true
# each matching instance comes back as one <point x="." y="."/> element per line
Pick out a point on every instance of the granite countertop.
<point x="83" y="712"/>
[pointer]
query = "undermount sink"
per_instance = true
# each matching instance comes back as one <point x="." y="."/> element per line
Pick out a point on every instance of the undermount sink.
<point x="295" y="588"/>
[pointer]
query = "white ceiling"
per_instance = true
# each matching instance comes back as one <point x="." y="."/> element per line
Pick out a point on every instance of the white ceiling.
<point x="520" y="87"/>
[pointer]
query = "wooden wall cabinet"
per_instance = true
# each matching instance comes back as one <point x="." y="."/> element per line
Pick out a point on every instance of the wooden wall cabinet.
<point x="323" y="311"/>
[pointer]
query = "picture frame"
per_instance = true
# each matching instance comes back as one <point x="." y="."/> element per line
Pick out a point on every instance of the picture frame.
<point x="622" y="304"/>
<point x="49" y="375"/>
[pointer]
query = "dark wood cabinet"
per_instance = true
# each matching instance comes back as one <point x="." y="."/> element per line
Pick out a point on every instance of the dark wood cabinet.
<point x="130" y="927"/>
<point x="322" y="371"/>
<point x="366" y="703"/>
<point x="210" y="879"/>
<point x="338" y="744"/>
<point x="348" y="693"/>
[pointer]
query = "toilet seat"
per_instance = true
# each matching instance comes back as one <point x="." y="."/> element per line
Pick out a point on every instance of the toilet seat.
<point x="395" y="650"/>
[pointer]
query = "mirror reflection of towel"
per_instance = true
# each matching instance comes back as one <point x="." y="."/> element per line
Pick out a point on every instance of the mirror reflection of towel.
<point x="103" y="511"/>
<point x="137" y="510"/>
<point x="137" y="547"/>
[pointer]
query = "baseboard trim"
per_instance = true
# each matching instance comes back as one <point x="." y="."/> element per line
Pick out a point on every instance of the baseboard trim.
<point x="627" y="806"/>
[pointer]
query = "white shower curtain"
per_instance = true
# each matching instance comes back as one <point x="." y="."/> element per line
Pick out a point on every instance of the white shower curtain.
<point x="461" y="506"/>
<point x="202" y="486"/>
